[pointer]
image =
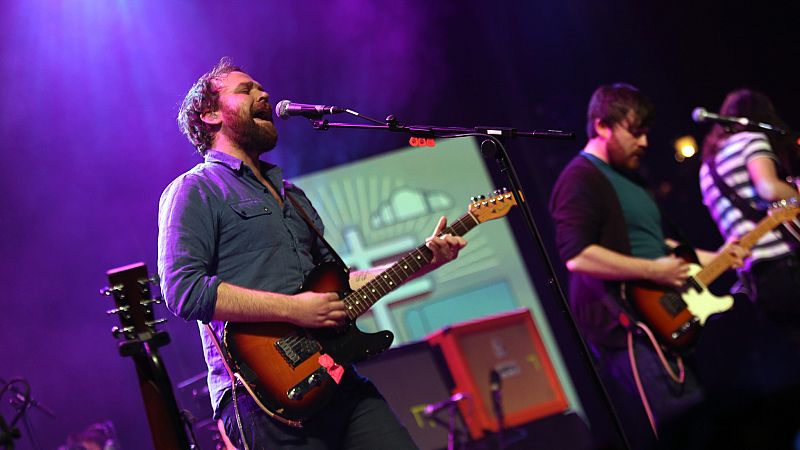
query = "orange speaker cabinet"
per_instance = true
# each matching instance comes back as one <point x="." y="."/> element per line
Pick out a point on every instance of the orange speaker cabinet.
<point x="509" y="344"/>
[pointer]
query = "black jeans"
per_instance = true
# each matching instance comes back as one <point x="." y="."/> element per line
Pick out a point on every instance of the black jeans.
<point x="357" y="417"/>
<point x="671" y="403"/>
<point x="775" y="287"/>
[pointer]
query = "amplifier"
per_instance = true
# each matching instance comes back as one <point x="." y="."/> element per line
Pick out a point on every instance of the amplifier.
<point x="509" y="344"/>
<point x="411" y="377"/>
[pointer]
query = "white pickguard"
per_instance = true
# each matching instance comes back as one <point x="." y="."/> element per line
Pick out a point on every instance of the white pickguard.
<point x="703" y="304"/>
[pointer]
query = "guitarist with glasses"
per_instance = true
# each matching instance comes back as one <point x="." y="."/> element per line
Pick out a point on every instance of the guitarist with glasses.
<point x="233" y="246"/>
<point x="609" y="233"/>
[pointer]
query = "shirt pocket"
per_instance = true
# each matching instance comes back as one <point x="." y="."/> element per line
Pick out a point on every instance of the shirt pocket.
<point x="247" y="209"/>
<point x="251" y="225"/>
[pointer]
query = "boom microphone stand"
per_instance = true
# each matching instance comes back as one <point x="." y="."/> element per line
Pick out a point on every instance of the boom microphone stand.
<point x="493" y="145"/>
<point x="449" y="405"/>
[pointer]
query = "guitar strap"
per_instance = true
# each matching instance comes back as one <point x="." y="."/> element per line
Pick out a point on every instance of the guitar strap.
<point x="749" y="212"/>
<point x="337" y="258"/>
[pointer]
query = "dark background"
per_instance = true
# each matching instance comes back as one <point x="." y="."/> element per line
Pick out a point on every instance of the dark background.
<point x="90" y="91"/>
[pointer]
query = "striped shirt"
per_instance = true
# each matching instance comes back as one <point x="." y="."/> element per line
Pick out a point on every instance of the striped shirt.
<point x="732" y="158"/>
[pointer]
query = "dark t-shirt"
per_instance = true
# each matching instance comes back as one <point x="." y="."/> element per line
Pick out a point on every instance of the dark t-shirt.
<point x="586" y="211"/>
<point x="642" y="216"/>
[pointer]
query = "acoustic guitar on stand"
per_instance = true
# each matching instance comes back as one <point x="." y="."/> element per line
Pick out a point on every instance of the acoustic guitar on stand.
<point x="290" y="371"/>
<point x="676" y="316"/>
<point x="130" y="288"/>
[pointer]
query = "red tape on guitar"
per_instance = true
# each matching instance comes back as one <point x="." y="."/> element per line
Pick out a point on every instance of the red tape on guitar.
<point x="334" y="370"/>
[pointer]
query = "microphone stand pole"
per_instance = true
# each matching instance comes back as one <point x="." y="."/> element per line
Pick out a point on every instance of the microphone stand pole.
<point x="493" y="144"/>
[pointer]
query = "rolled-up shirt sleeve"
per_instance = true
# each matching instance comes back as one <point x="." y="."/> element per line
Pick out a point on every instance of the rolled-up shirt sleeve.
<point x="187" y="249"/>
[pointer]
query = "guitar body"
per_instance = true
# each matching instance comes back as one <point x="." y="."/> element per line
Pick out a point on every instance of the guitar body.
<point x="163" y="414"/>
<point x="280" y="362"/>
<point x="676" y="316"/>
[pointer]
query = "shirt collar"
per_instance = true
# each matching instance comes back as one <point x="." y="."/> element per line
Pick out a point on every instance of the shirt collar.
<point x="213" y="156"/>
<point x="593" y="158"/>
<point x="272" y="171"/>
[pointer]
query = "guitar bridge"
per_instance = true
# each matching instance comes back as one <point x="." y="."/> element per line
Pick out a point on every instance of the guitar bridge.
<point x="685" y="327"/>
<point x="296" y="348"/>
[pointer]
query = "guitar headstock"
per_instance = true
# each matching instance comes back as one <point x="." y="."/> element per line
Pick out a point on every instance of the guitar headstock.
<point x="130" y="288"/>
<point x="785" y="210"/>
<point x="484" y="208"/>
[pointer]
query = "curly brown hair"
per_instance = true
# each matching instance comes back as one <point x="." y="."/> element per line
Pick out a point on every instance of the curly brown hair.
<point x="203" y="96"/>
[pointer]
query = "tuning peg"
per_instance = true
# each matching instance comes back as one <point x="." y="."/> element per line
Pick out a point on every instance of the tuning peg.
<point x="117" y="331"/>
<point x="115" y="311"/>
<point x="107" y="291"/>
<point x="153" y="279"/>
<point x="151" y="301"/>
<point x="156" y="322"/>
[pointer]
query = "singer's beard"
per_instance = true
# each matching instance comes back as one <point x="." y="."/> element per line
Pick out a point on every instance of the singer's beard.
<point x="250" y="135"/>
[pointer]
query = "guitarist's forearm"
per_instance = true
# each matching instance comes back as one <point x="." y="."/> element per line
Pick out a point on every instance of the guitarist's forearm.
<point x="704" y="256"/>
<point x="238" y="304"/>
<point x="605" y="264"/>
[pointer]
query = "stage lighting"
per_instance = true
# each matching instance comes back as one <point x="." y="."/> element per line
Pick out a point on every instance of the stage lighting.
<point x="685" y="148"/>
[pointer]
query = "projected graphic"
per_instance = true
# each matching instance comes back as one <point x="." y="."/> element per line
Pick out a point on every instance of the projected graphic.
<point x="377" y="210"/>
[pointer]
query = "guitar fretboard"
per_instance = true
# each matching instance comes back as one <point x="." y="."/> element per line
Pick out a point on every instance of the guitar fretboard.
<point x="724" y="261"/>
<point x="360" y="300"/>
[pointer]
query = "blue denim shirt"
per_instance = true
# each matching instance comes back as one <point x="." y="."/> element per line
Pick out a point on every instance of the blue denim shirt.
<point x="218" y="223"/>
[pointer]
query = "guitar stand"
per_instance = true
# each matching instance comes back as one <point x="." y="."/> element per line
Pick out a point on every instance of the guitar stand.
<point x="7" y="435"/>
<point x="22" y="401"/>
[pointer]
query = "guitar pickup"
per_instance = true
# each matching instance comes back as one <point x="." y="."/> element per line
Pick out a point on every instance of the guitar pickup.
<point x="299" y="390"/>
<point x="672" y="303"/>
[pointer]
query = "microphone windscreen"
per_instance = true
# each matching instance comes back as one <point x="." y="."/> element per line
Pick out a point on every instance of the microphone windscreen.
<point x="699" y="114"/>
<point x="280" y="108"/>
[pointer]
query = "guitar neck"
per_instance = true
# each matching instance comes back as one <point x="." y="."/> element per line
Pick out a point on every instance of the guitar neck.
<point x="359" y="301"/>
<point x="724" y="261"/>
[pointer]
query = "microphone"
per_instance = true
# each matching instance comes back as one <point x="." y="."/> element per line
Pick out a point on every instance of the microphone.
<point x="701" y="115"/>
<point x="433" y="408"/>
<point x="287" y="108"/>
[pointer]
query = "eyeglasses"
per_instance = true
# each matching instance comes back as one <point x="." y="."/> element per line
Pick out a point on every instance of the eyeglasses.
<point x="634" y="131"/>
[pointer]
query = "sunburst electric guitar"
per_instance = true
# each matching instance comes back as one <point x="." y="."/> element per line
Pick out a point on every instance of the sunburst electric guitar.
<point x="676" y="316"/>
<point x="287" y="369"/>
